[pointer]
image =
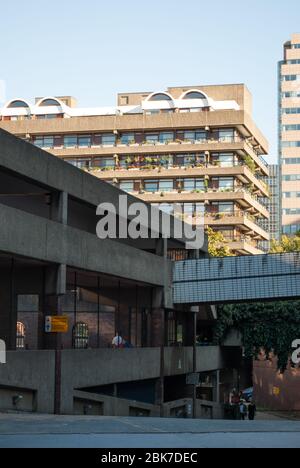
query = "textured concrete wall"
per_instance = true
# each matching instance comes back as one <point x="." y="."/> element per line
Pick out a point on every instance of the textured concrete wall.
<point x="30" y="370"/>
<point x="42" y="239"/>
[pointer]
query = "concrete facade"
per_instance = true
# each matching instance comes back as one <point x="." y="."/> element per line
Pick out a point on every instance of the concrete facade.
<point x="52" y="263"/>
<point x="289" y="135"/>
<point x="195" y="146"/>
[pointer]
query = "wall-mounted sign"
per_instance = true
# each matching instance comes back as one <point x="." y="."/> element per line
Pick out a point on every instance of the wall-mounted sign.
<point x="276" y="391"/>
<point x="57" y="324"/>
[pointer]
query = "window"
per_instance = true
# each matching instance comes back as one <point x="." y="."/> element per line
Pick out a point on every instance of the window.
<point x="44" y="141"/>
<point x="291" y="178"/>
<point x="226" y="135"/>
<point x="20" y="336"/>
<point x="193" y="184"/>
<point x="194" y="95"/>
<point x="81" y="163"/>
<point x="290" y="78"/>
<point x="152" y="138"/>
<point x="159" y="185"/>
<point x="160" y="97"/>
<point x="222" y="208"/>
<point x="70" y="141"/>
<point x="127" y="185"/>
<point x="166" y="137"/>
<point x="80" y="336"/>
<point x="193" y="209"/>
<point x="291" y="128"/>
<point x="17" y="104"/>
<point x="108" y="139"/>
<point x="291" y="194"/>
<point x="291" y="160"/>
<point x="84" y="141"/>
<point x="291" y="229"/>
<point x="104" y="162"/>
<point x="290" y="144"/>
<point x="223" y="183"/>
<point x="49" y="116"/>
<point x="127" y="138"/>
<point x="291" y="211"/>
<point x="291" y="110"/>
<point x="166" y="185"/>
<point x="49" y="102"/>
<point x="197" y="135"/>
<point x="223" y="159"/>
<point x="291" y="94"/>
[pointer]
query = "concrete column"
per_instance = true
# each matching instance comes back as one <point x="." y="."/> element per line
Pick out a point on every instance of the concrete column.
<point x="59" y="207"/>
<point x="161" y="247"/>
<point x="216" y="386"/>
<point x="158" y="339"/>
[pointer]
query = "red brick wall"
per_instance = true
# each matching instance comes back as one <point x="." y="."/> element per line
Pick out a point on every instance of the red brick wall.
<point x="273" y="390"/>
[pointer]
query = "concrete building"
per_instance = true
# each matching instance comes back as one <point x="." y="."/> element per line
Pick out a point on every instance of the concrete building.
<point x="53" y="264"/>
<point x="196" y="146"/>
<point x="289" y="135"/>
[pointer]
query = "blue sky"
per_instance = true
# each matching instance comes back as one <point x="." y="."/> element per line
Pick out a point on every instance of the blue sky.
<point x="93" y="49"/>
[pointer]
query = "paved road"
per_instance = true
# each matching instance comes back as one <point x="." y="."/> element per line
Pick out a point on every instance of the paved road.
<point x="109" y="432"/>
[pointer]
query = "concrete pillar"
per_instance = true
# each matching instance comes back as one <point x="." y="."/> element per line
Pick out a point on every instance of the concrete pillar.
<point x="216" y="386"/>
<point x="158" y="339"/>
<point x="59" y="207"/>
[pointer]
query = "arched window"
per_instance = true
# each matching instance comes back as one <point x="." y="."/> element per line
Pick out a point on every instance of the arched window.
<point x="17" y="104"/>
<point x="21" y="335"/>
<point x="49" y="102"/>
<point x="80" y="335"/>
<point x="194" y="95"/>
<point x="160" y="97"/>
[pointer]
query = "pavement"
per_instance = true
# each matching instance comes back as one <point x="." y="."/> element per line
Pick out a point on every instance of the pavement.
<point x="20" y="430"/>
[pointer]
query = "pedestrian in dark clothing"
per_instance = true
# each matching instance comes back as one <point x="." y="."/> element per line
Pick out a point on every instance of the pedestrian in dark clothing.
<point x="251" y="411"/>
<point x="243" y="410"/>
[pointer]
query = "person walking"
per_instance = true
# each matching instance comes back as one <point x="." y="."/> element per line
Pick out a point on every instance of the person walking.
<point x="251" y="411"/>
<point x="243" y="410"/>
<point x="118" y="341"/>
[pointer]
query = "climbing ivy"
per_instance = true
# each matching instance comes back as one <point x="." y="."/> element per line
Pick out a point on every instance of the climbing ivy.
<point x="269" y="326"/>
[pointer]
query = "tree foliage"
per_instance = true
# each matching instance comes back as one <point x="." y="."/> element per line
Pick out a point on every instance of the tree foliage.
<point x="217" y="244"/>
<point x="269" y="326"/>
<point x="286" y="244"/>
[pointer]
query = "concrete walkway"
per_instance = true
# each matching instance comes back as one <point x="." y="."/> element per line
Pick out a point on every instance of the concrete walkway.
<point x="110" y="432"/>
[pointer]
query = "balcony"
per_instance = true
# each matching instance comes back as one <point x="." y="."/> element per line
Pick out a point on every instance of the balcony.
<point x="235" y="144"/>
<point x="246" y="222"/>
<point x="245" y="198"/>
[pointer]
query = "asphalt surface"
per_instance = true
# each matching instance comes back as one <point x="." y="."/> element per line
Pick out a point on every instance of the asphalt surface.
<point x="111" y="432"/>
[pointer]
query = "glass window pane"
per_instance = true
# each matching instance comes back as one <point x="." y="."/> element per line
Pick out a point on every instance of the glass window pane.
<point x="166" y="136"/>
<point x="108" y="139"/>
<point x="127" y="185"/>
<point x="84" y="141"/>
<point x="70" y="141"/>
<point x="166" y="185"/>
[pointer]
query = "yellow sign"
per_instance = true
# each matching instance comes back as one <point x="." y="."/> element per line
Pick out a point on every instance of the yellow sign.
<point x="57" y="324"/>
<point x="276" y="391"/>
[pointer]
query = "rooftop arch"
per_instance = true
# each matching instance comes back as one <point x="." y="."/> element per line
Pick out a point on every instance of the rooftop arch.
<point x="194" y="94"/>
<point x="160" y="96"/>
<point x="17" y="104"/>
<point x="49" y="101"/>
